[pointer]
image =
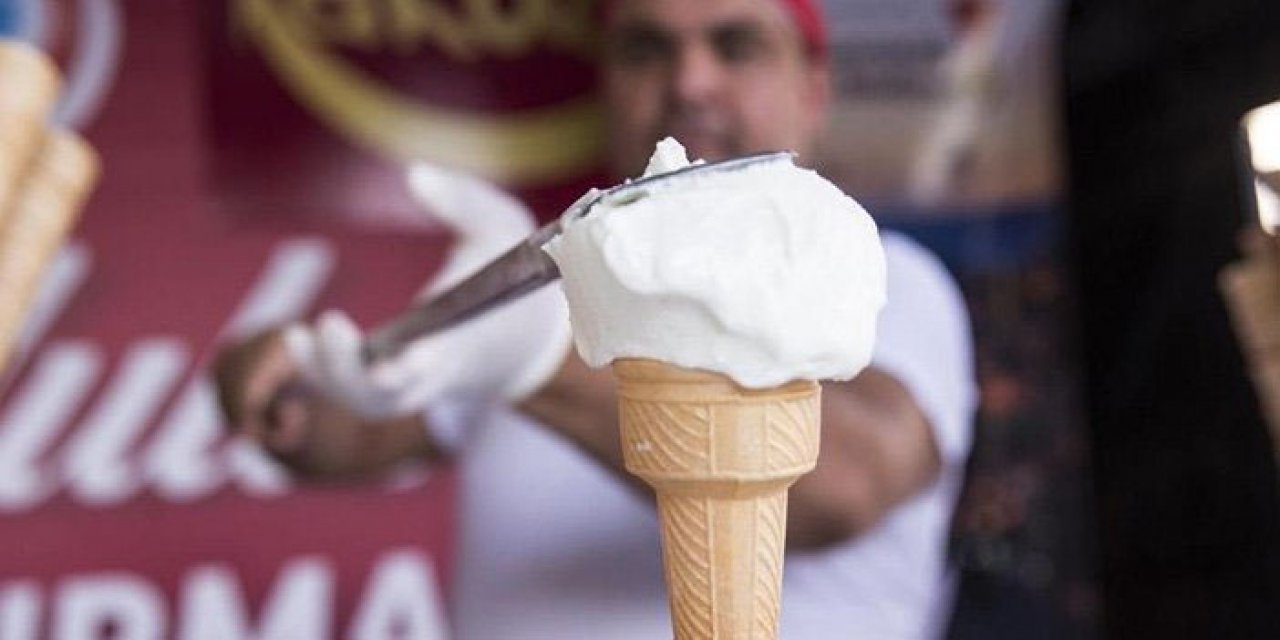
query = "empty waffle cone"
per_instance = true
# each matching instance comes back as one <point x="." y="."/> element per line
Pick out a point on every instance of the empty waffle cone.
<point x="720" y="458"/>
<point x="44" y="210"/>
<point x="29" y="85"/>
<point x="1252" y="291"/>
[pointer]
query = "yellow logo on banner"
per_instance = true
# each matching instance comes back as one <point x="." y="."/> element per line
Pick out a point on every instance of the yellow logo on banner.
<point x="522" y="147"/>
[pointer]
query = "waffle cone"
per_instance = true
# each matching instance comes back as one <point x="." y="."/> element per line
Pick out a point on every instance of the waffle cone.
<point x="43" y="212"/>
<point x="29" y="85"/>
<point x="1252" y="291"/>
<point x="720" y="458"/>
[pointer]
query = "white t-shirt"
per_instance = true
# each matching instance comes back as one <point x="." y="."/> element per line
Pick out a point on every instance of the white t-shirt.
<point x="554" y="547"/>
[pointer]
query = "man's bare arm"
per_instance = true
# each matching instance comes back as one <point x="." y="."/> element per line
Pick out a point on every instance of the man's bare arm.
<point x="877" y="447"/>
<point x="877" y="451"/>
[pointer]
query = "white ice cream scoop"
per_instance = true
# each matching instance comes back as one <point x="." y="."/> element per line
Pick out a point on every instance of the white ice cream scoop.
<point x="526" y="267"/>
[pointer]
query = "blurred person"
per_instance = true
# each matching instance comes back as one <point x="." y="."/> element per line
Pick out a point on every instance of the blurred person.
<point x="555" y="539"/>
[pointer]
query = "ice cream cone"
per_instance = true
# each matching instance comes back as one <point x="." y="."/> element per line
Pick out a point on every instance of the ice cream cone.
<point x="43" y="211"/>
<point x="29" y="85"/>
<point x="1252" y="291"/>
<point x="721" y="458"/>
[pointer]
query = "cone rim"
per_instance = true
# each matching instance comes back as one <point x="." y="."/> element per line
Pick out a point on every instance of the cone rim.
<point x="648" y="370"/>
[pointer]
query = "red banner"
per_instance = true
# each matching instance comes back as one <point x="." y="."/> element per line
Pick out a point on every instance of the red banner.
<point x="314" y="105"/>
<point x="127" y="513"/>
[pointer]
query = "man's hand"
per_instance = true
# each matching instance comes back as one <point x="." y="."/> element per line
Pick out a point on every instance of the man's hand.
<point x="258" y="391"/>
<point x="264" y="399"/>
<point x="307" y="397"/>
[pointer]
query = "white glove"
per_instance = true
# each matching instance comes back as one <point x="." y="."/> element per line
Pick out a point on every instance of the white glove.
<point x="503" y="355"/>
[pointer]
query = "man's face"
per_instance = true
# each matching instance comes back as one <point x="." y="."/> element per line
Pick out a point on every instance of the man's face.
<point x="724" y="77"/>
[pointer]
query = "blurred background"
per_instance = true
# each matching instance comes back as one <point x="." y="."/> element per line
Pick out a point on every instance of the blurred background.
<point x="1073" y="163"/>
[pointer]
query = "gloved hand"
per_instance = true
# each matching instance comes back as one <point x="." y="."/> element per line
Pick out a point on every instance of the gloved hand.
<point x="502" y="355"/>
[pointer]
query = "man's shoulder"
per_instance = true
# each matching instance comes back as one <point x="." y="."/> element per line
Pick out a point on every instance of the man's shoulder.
<point x="903" y="253"/>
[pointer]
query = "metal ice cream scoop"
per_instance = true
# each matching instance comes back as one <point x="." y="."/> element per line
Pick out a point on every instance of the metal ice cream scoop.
<point x="525" y="267"/>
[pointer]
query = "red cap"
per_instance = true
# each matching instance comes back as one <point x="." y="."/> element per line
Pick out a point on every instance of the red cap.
<point x="812" y="24"/>
<point x="807" y="15"/>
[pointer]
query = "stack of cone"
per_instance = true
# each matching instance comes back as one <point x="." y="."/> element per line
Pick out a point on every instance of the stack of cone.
<point x="28" y="89"/>
<point x="720" y="458"/>
<point x="45" y="175"/>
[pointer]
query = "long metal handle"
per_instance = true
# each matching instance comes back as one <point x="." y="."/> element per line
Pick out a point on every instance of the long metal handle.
<point x="519" y="271"/>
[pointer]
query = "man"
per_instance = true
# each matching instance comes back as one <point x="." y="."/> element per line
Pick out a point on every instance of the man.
<point x="555" y="541"/>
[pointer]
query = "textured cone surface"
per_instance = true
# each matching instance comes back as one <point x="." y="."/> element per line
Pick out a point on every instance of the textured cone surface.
<point x="29" y="86"/>
<point x="44" y="211"/>
<point x="720" y="458"/>
<point x="1252" y="290"/>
